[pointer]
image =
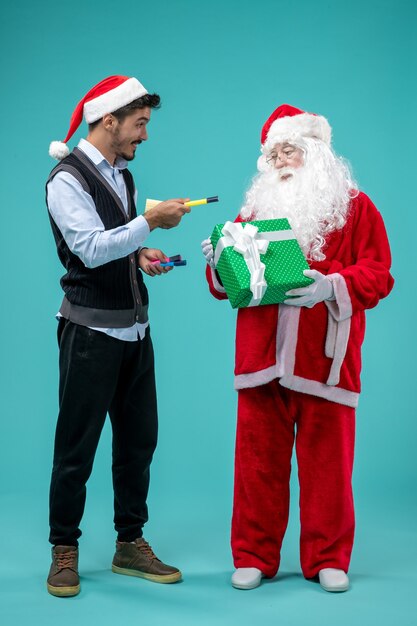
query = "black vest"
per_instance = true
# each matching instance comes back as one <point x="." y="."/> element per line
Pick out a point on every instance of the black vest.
<point x="112" y="295"/>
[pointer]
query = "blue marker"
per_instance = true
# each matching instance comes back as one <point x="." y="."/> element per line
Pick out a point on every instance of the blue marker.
<point x="173" y="264"/>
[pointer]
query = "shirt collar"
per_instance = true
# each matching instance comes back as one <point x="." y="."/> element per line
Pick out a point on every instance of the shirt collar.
<point x="97" y="158"/>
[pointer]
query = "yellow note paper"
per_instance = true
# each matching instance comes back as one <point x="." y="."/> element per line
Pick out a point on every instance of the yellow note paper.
<point x="150" y="204"/>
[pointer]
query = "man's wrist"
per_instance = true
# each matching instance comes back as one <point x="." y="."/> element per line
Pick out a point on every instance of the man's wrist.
<point x="152" y="220"/>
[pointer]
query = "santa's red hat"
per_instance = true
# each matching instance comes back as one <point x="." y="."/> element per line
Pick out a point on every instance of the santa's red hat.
<point x="287" y="123"/>
<point x="110" y="94"/>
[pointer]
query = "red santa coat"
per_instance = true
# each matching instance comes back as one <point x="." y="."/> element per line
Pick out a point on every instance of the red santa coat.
<point x="318" y="351"/>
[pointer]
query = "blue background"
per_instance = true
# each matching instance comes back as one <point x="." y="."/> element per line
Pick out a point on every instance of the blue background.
<point x="221" y="68"/>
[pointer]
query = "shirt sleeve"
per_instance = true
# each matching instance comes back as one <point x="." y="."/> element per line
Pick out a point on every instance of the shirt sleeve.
<point x="74" y="212"/>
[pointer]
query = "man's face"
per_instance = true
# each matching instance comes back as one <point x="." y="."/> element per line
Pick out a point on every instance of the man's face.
<point x="285" y="157"/>
<point x="130" y="132"/>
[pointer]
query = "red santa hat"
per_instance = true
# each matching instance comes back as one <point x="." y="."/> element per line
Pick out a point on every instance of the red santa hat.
<point x="110" y="94"/>
<point x="287" y="123"/>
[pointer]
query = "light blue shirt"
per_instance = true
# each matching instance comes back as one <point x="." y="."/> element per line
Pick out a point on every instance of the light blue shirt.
<point x="74" y="212"/>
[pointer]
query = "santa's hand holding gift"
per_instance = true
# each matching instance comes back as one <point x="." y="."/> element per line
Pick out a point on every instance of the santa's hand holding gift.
<point x="298" y="363"/>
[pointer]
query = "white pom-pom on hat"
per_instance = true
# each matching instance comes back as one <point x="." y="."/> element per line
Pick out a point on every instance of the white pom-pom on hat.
<point x="58" y="150"/>
<point x="107" y="96"/>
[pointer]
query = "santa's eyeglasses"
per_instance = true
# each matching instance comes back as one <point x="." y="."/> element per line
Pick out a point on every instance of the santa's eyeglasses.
<point x="286" y="154"/>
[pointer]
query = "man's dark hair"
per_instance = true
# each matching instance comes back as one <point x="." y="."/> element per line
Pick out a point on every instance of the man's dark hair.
<point x="151" y="100"/>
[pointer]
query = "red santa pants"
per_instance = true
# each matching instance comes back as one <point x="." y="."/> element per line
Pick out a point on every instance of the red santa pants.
<point x="270" y="418"/>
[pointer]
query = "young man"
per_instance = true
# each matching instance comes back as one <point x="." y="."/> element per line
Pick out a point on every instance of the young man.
<point x="106" y="356"/>
<point x="298" y="363"/>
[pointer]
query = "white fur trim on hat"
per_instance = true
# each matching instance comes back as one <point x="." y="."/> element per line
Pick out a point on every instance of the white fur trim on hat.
<point x="58" y="150"/>
<point x="118" y="97"/>
<point x="291" y="128"/>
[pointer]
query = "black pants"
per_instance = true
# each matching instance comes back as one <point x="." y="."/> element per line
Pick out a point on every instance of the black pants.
<point x="100" y="375"/>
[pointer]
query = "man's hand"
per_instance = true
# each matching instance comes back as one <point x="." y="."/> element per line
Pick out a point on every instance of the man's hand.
<point x="167" y="214"/>
<point x="207" y="248"/>
<point x="145" y="258"/>
<point x="321" y="289"/>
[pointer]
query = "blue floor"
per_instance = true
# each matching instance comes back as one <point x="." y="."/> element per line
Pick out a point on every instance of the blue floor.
<point x="383" y="573"/>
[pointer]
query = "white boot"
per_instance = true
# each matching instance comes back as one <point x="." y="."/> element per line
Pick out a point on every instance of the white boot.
<point x="333" y="579"/>
<point x="247" y="578"/>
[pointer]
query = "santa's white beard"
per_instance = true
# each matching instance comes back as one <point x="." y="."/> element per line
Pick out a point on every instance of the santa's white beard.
<point x="315" y="198"/>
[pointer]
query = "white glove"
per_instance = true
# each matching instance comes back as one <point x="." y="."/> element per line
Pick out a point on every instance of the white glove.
<point x="321" y="289"/>
<point x="207" y="248"/>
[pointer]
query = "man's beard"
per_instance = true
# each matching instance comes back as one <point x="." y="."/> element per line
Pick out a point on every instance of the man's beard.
<point x="314" y="198"/>
<point x="119" y="146"/>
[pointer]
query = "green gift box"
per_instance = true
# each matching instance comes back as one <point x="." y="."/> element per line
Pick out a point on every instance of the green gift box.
<point x="259" y="261"/>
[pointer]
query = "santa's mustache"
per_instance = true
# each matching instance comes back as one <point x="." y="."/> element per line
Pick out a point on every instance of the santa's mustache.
<point x="285" y="172"/>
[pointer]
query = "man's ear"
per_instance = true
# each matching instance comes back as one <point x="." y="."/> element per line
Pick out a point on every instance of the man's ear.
<point x="109" y="121"/>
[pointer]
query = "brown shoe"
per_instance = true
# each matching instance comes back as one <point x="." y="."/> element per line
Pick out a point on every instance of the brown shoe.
<point x="138" y="559"/>
<point x="63" y="579"/>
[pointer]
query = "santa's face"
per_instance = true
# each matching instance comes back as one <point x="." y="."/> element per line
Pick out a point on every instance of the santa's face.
<point x="285" y="157"/>
<point x="306" y="183"/>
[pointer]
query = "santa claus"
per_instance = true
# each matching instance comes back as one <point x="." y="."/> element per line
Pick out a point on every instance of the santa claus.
<point x="298" y="364"/>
